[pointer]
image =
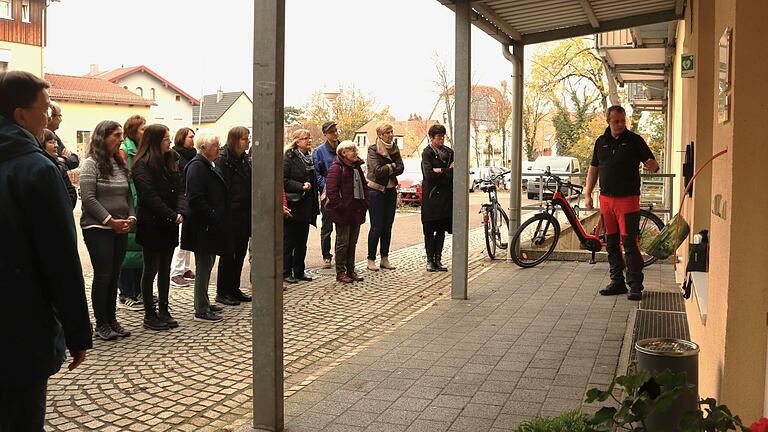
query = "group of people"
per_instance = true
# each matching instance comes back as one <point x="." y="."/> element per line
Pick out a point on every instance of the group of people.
<point x="330" y="181"/>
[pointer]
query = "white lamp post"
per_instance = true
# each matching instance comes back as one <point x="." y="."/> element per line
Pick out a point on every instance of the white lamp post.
<point x="331" y="96"/>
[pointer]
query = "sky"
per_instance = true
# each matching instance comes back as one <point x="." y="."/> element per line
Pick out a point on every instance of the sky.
<point x="383" y="48"/>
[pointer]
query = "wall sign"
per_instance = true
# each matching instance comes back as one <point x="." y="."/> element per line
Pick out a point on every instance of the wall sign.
<point x="723" y="78"/>
<point x="687" y="66"/>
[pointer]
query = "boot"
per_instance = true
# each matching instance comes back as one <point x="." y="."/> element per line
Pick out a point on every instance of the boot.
<point x="165" y="316"/>
<point x="431" y="267"/>
<point x="614" y="288"/>
<point x="385" y="264"/>
<point x="152" y="322"/>
<point x="634" y="260"/>
<point x="438" y="257"/>
<point x="429" y="246"/>
<point x="372" y="265"/>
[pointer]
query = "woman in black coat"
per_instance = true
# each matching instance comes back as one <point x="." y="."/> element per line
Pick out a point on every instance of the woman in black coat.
<point x="437" y="196"/>
<point x="205" y="230"/>
<point x="235" y="167"/>
<point x="300" y="185"/>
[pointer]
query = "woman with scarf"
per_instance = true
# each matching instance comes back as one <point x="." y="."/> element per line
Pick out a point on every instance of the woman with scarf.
<point x="437" y="196"/>
<point x="384" y="164"/>
<point x="300" y="185"/>
<point x="347" y="201"/>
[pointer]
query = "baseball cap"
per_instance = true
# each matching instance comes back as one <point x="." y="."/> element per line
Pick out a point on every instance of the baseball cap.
<point x="327" y="125"/>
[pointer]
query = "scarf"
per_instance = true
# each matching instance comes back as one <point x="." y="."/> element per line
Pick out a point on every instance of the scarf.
<point x="357" y="180"/>
<point x="385" y="149"/>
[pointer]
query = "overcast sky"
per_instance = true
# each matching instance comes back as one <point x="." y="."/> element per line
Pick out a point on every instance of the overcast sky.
<point x="384" y="48"/>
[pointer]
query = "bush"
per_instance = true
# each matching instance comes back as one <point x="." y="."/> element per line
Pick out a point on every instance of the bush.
<point x="572" y="421"/>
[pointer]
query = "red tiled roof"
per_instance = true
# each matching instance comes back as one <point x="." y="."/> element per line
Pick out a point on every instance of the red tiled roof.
<point x="87" y="89"/>
<point x="116" y="74"/>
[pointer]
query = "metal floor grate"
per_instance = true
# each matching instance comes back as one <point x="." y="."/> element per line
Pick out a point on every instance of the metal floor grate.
<point x="662" y="301"/>
<point x="661" y="315"/>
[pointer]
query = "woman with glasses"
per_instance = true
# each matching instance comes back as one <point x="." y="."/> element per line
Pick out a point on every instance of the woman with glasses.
<point x="158" y="185"/>
<point x="300" y="185"/>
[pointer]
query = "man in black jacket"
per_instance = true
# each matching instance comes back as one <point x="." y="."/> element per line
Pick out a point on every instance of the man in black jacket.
<point x="39" y="263"/>
<point x="69" y="159"/>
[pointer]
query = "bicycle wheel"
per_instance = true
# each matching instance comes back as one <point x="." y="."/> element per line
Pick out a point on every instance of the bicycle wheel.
<point x="535" y="240"/>
<point x="502" y="228"/>
<point x="650" y="226"/>
<point x="488" y="229"/>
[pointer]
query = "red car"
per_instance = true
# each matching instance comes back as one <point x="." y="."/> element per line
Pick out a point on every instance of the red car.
<point x="409" y="183"/>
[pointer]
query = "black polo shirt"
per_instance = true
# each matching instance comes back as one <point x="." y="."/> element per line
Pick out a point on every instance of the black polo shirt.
<point x="618" y="162"/>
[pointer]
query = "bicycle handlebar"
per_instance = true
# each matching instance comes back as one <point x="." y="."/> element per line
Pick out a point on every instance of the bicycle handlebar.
<point x="560" y="182"/>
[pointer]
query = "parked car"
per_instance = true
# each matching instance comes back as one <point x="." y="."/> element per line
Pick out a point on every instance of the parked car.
<point x="563" y="166"/>
<point x="481" y="173"/>
<point x="526" y="168"/>
<point x="409" y="182"/>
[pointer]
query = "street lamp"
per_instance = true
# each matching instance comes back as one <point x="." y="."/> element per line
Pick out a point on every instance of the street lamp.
<point x="331" y="96"/>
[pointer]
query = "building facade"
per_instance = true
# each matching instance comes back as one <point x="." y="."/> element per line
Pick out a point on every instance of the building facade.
<point x="222" y="111"/>
<point x="22" y="35"/>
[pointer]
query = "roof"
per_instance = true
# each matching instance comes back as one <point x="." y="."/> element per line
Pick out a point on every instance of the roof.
<point x="116" y="74"/>
<point x="535" y="21"/>
<point x="212" y="110"/>
<point x="87" y="89"/>
<point x="415" y="129"/>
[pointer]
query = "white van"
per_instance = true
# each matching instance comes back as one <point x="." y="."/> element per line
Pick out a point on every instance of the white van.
<point x="562" y="166"/>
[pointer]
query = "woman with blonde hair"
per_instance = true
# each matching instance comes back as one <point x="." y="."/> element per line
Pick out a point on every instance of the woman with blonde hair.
<point x="383" y="164"/>
<point x="300" y="185"/>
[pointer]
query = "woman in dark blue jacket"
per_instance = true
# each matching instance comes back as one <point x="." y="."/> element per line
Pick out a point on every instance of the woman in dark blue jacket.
<point x="161" y="206"/>
<point x="205" y="230"/>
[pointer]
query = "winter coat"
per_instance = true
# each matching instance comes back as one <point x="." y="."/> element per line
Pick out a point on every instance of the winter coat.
<point x="379" y="165"/>
<point x="134" y="258"/>
<point x="295" y="173"/>
<point x="185" y="155"/>
<point x="236" y="172"/>
<point x="160" y="201"/>
<point x="208" y="214"/>
<point x="323" y="158"/>
<point x="39" y="263"/>
<point x="344" y="208"/>
<point x="72" y="161"/>
<point x="437" y="189"/>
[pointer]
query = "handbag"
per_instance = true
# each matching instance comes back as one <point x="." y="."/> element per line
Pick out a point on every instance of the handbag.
<point x="294" y="196"/>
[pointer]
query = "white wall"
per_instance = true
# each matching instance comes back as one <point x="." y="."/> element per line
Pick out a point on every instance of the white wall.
<point x="168" y="111"/>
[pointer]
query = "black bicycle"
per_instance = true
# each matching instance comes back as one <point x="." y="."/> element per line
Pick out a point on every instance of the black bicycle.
<point x="495" y="219"/>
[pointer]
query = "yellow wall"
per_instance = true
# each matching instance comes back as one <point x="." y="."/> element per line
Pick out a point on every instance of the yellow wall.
<point x="85" y="116"/>
<point x="239" y="114"/>
<point x="733" y="340"/>
<point x="24" y="57"/>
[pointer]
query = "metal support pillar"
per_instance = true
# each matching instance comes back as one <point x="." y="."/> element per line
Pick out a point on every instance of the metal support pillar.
<point x="461" y="151"/>
<point x="267" y="214"/>
<point x="516" y="152"/>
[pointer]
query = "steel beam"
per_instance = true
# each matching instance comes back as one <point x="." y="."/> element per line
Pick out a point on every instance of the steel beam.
<point x="267" y="214"/>
<point x="497" y="20"/>
<point x="590" y="13"/>
<point x="516" y="152"/>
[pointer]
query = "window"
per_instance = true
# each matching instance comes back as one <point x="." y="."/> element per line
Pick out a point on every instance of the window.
<point x="25" y="10"/>
<point x="125" y="87"/>
<point x="3" y="66"/>
<point x="140" y="91"/>
<point x="5" y="60"/>
<point x="152" y="93"/>
<point x="83" y="139"/>
<point x="6" y="9"/>
<point x="178" y="98"/>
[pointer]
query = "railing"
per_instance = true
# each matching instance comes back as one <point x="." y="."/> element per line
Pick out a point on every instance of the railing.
<point x="656" y="192"/>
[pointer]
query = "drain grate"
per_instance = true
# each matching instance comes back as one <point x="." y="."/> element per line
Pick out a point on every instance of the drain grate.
<point x="655" y="324"/>
<point x="662" y="301"/>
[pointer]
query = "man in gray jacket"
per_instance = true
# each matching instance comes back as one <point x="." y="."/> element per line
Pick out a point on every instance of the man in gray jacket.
<point x="39" y="263"/>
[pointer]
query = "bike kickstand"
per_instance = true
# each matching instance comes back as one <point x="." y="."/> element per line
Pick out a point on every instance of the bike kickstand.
<point x="592" y="260"/>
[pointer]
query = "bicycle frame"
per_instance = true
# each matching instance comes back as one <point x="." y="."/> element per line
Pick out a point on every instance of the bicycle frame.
<point x="591" y="242"/>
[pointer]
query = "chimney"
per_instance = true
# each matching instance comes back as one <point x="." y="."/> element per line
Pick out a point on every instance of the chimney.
<point x="219" y="95"/>
<point x="94" y="69"/>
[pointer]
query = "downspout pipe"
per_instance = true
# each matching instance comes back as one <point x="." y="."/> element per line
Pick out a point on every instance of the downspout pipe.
<point x="516" y="152"/>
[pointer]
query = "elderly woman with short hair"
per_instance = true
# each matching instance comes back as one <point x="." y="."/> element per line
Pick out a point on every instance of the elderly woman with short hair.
<point x="347" y="202"/>
<point x="205" y="229"/>
<point x="383" y="164"/>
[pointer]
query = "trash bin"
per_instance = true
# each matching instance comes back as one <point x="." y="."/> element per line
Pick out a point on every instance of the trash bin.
<point x="677" y="355"/>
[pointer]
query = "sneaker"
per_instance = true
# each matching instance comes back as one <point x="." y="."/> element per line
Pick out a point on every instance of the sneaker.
<point x="105" y="332"/>
<point x="327" y="263"/>
<point x="189" y="274"/>
<point x="130" y="304"/>
<point x="227" y="300"/>
<point x="215" y="308"/>
<point x="120" y="330"/>
<point x="290" y="279"/>
<point x="614" y="288"/>
<point x="305" y="278"/>
<point x="207" y="316"/>
<point x="153" y="322"/>
<point x="179" y="282"/>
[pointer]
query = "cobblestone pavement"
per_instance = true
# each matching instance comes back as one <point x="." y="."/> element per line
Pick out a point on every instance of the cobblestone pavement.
<point x="197" y="377"/>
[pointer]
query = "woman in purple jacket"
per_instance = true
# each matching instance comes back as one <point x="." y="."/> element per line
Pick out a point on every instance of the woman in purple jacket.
<point x="347" y="198"/>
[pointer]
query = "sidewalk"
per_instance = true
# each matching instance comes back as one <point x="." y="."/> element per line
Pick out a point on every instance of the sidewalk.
<point x="391" y="353"/>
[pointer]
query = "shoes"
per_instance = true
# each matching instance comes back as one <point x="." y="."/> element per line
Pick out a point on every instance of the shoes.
<point x="372" y="265"/>
<point x="290" y="279"/>
<point x="241" y="296"/>
<point x="207" y="316"/>
<point x="439" y="266"/>
<point x="215" y="308"/>
<point x="431" y="266"/>
<point x="179" y="282"/>
<point x="614" y="288"/>
<point x="105" y="332"/>
<point x="227" y="300"/>
<point x="189" y="274"/>
<point x="354" y="276"/>
<point x="120" y="330"/>
<point x="327" y="263"/>
<point x="385" y="264"/>
<point x="153" y="322"/>
<point x="166" y="317"/>
<point x="130" y="304"/>
<point x="304" y="278"/>
<point x="635" y="295"/>
<point x="343" y="277"/>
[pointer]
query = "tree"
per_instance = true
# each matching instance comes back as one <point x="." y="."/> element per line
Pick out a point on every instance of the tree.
<point x="292" y="115"/>
<point x="654" y="127"/>
<point x="351" y="110"/>
<point x="445" y="87"/>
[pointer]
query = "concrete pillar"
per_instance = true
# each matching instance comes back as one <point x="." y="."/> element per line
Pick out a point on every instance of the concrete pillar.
<point x="461" y="151"/>
<point x="516" y="152"/>
<point x="266" y="214"/>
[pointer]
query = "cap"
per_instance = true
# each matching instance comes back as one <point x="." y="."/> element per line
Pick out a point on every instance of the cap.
<point x="327" y="125"/>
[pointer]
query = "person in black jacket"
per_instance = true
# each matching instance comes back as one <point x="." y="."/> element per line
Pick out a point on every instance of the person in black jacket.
<point x="233" y="164"/>
<point x="161" y="206"/>
<point x="437" y="196"/>
<point x="181" y="266"/>
<point x="39" y="262"/>
<point x="205" y="230"/>
<point x="49" y="146"/>
<point x="300" y="185"/>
